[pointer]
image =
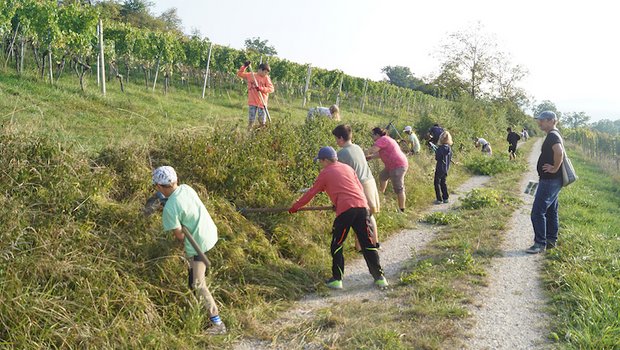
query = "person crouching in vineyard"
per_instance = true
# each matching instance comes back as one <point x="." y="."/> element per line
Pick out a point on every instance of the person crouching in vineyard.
<point x="259" y="88"/>
<point x="443" y="156"/>
<point x="485" y="146"/>
<point x="346" y="193"/>
<point x="333" y="112"/>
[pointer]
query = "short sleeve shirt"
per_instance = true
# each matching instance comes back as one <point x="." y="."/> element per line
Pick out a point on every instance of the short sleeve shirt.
<point x="546" y="156"/>
<point x="415" y="143"/>
<point x="185" y="208"/>
<point x="390" y="153"/>
<point x="353" y="155"/>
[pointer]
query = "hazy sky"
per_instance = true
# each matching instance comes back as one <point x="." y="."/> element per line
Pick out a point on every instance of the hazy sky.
<point x="569" y="47"/>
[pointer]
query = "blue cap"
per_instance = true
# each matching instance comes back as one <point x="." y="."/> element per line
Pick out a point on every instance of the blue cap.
<point x="546" y="115"/>
<point x="326" y="153"/>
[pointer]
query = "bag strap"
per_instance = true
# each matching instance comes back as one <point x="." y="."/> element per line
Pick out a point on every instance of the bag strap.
<point x="555" y="131"/>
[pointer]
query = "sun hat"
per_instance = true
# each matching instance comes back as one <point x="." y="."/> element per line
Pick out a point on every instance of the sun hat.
<point x="326" y="153"/>
<point x="164" y="175"/>
<point x="408" y="128"/>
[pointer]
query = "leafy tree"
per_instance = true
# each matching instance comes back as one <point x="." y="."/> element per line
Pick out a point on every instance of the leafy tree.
<point x="471" y="54"/>
<point x="546" y="105"/>
<point x="260" y="46"/>
<point x="402" y="76"/>
<point x="138" y="13"/>
<point x="611" y="127"/>
<point x="449" y="84"/>
<point x="575" y="120"/>
<point x="505" y="77"/>
<point x="171" y="20"/>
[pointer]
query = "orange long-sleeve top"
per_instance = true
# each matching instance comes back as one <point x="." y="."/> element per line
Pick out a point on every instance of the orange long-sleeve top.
<point x="264" y="84"/>
<point x="342" y="186"/>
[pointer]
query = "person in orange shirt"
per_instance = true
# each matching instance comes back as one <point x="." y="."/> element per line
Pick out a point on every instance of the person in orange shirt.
<point x="259" y="88"/>
<point x="346" y="193"/>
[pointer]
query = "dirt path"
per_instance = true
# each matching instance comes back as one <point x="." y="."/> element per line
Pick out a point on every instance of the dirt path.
<point x="510" y="311"/>
<point x="394" y="253"/>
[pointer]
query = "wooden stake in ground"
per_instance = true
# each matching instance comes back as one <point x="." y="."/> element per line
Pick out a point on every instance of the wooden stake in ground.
<point x="101" y="58"/>
<point x="307" y="85"/>
<point x="204" y="86"/>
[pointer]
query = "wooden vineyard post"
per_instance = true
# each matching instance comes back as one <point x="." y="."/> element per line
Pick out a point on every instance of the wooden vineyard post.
<point x="307" y="85"/>
<point x="101" y="58"/>
<point x="364" y="95"/>
<point x="204" y="86"/>
<point x="339" y="90"/>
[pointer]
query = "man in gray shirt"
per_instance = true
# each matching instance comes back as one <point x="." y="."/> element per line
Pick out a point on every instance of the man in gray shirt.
<point x="353" y="155"/>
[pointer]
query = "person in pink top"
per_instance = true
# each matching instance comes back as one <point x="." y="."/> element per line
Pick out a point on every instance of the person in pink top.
<point x="346" y="193"/>
<point x="259" y="88"/>
<point x="395" y="162"/>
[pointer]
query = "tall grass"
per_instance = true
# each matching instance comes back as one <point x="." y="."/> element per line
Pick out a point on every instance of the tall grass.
<point x="583" y="273"/>
<point x="81" y="267"/>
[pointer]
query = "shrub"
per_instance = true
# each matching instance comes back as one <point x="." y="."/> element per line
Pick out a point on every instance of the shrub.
<point x="439" y="218"/>
<point x="481" y="198"/>
<point x="484" y="165"/>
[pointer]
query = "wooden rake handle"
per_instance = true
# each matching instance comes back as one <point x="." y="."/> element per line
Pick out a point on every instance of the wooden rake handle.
<point x="281" y="209"/>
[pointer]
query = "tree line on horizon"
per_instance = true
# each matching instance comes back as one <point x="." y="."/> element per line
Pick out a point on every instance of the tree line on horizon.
<point x="57" y="35"/>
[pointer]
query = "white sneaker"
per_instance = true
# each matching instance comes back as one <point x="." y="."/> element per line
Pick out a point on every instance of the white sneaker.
<point x="216" y="329"/>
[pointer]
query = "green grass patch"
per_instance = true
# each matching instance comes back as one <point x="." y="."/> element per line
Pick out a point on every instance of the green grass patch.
<point x="440" y="218"/>
<point x="493" y="165"/>
<point x="582" y="275"/>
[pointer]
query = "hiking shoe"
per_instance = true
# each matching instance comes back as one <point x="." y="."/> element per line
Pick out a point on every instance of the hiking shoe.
<point x="381" y="282"/>
<point x="334" y="283"/>
<point x="438" y="202"/>
<point x="216" y="329"/>
<point x="536" y="249"/>
<point x="446" y="201"/>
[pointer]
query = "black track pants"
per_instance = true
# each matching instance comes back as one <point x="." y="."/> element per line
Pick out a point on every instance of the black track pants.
<point x="359" y="219"/>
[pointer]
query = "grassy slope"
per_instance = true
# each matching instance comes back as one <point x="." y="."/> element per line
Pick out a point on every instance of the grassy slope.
<point x="583" y="275"/>
<point x="133" y="286"/>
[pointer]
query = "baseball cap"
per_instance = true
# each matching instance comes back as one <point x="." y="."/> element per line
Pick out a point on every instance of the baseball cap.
<point x="546" y="115"/>
<point x="164" y="175"/>
<point x="326" y="153"/>
<point x="408" y="128"/>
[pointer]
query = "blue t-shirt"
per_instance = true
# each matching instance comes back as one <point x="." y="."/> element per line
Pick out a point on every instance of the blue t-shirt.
<point x="443" y="156"/>
<point x="184" y="207"/>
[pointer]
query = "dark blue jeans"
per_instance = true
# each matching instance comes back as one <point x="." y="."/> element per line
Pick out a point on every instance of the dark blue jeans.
<point x="545" y="211"/>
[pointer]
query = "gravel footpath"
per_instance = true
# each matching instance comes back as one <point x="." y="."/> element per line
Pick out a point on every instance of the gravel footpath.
<point x="357" y="282"/>
<point x="509" y="314"/>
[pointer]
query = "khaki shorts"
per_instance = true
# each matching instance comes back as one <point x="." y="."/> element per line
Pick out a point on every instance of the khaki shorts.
<point x="397" y="176"/>
<point x="372" y="195"/>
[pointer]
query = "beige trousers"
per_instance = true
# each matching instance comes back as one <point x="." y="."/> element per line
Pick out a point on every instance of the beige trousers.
<point x="199" y="285"/>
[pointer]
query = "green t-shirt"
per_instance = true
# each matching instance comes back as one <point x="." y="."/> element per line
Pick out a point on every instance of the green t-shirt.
<point x="415" y="143"/>
<point x="353" y="155"/>
<point x="184" y="207"/>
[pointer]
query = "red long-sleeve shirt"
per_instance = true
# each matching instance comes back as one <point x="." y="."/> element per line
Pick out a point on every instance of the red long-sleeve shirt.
<point x="342" y="186"/>
<point x="264" y="83"/>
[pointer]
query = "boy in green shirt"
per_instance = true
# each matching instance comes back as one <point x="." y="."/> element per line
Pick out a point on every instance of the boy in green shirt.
<point x="184" y="211"/>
